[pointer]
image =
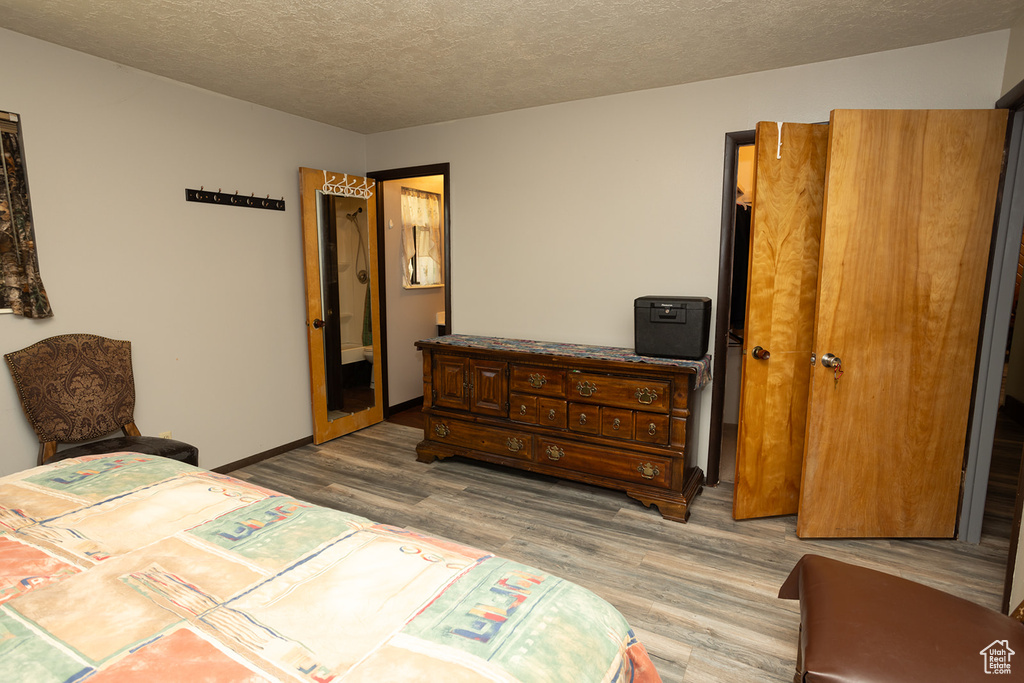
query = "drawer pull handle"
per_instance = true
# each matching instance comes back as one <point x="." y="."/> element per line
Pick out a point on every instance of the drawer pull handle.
<point x="615" y="423"/>
<point x="646" y="396"/>
<point x="522" y="409"/>
<point x="586" y="389"/>
<point x="441" y="429"/>
<point x="537" y="381"/>
<point x="652" y="429"/>
<point x="554" y="453"/>
<point x="551" y="414"/>
<point x="583" y="418"/>
<point x="648" y="471"/>
<point x="515" y="445"/>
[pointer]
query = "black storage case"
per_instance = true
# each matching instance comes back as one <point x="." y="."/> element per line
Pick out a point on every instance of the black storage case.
<point x="671" y="326"/>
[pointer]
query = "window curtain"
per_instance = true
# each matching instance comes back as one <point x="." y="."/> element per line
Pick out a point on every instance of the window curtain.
<point x="420" y="209"/>
<point x="21" y="288"/>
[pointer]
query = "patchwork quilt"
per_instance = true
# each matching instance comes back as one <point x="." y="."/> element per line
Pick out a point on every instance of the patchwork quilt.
<point x="131" y="567"/>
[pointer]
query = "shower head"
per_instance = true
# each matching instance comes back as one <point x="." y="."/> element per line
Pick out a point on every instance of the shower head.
<point x="352" y="216"/>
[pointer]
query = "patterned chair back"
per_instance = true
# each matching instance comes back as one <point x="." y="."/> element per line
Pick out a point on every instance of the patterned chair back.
<point x="75" y="387"/>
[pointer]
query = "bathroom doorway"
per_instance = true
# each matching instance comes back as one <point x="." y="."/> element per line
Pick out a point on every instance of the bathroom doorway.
<point x="413" y="231"/>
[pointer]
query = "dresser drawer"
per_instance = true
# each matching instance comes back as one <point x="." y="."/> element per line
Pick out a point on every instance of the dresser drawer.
<point x="505" y="442"/>
<point x="620" y="392"/>
<point x="522" y="408"/>
<point x="585" y="418"/>
<point x="617" y="422"/>
<point x="538" y="380"/>
<point x="626" y="467"/>
<point x="551" y="412"/>
<point x="651" y="428"/>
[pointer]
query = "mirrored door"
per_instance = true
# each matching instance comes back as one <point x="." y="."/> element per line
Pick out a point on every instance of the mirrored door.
<point x="339" y="226"/>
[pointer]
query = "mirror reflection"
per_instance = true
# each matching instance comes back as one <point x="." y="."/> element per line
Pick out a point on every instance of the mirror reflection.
<point x="422" y="260"/>
<point x="346" y="304"/>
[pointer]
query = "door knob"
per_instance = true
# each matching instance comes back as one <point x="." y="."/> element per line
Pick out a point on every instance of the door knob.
<point x="835" y="363"/>
<point x="760" y="353"/>
<point x="318" y="323"/>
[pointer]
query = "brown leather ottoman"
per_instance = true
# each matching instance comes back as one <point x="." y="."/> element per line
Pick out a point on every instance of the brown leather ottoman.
<point x="858" y="624"/>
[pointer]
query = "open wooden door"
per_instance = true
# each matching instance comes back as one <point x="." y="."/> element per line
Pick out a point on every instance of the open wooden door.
<point x="789" y="179"/>
<point x="910" y="199"/>
<point x="342" y="301"/>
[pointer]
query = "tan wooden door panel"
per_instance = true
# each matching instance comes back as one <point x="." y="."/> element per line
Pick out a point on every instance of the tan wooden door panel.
<point x="910" y="199"/>
<point x="781" y="283"/>
<point x="313" y="183"/>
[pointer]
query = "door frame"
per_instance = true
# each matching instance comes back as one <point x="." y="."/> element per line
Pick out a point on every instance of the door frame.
<point x="998" y="305"/>
<point x="733" y="141"/>
<point x="441" y="169"/>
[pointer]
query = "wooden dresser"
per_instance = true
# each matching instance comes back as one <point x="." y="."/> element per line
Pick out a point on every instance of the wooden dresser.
<point x="595" y="414"/>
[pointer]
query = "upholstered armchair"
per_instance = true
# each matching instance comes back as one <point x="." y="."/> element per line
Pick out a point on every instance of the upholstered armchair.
<point x="80" y="387"/>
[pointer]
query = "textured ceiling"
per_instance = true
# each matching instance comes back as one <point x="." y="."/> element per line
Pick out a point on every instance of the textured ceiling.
<point x="376" y="65"/>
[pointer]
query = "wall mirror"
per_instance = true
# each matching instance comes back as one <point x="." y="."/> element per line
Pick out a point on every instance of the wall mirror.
<point x="422" y="241"/>
<point x="339" y="227"/>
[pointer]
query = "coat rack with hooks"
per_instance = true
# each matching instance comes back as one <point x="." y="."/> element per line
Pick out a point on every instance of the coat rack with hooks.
<point x="218" y="197"/>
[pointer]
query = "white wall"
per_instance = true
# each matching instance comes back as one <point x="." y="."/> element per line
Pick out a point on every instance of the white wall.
<point x="562" y="215"/>
<point x="211" y="297"/>
<point x="1014" y="69"/>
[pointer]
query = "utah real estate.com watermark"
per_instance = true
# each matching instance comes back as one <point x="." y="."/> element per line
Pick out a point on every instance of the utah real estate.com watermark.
<point x="997" y="657"/>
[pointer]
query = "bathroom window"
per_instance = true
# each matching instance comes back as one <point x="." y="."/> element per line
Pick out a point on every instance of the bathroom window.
<point x="422" y="262"/>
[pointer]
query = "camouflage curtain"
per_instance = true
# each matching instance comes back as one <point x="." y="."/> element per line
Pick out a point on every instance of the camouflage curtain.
<point x="21" y="289"/>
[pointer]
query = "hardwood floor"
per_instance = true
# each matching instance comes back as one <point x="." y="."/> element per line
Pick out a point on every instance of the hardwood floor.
<point x="701" y="596"/>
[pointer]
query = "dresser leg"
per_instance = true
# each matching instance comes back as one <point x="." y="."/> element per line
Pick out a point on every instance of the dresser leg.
<point x="673" y="510"/>
<point x="674" y="506"/>
<point x="424" y="453"/>
<point x="428" y="451"/>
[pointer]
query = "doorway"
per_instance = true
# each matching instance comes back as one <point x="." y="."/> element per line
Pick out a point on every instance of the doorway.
<point x="414" y="231"/>
<point x="997" y="317"/>
<point x="732" y="278"/>
<point x="737" y="310"/>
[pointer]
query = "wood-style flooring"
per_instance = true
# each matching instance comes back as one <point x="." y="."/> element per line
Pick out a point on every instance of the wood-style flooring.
<point x="701" y="596"/>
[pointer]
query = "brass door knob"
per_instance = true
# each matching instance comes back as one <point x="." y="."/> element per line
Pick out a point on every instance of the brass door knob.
<point x="760" y="353"/>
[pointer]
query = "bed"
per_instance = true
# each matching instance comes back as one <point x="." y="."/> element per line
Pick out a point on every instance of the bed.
<point x="134" y="567"/>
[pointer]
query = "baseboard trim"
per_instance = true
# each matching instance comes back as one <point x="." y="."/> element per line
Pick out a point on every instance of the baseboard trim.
<point x="406" y="405"/>
<point x="259" y="457"/>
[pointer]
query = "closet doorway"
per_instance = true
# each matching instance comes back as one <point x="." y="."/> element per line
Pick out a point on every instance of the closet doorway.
<point x="732" y="290"/>
<point x="413" y="231"/>
<point x="976" y="458"/>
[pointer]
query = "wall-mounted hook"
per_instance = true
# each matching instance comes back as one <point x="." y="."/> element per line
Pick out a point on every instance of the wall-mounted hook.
<point x="219" y="197"/>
